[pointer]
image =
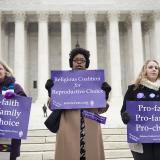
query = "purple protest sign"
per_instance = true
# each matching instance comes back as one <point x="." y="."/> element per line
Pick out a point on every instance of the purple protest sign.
<point x="94" y="116"/>
<point x="14" y="117"/>
<point x="144" y="124"/>
<point x="76" y="89"/>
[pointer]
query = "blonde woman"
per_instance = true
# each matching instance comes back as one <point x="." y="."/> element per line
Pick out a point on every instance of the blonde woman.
<point x="146" y="88"/>
<point x="9" y="89"/>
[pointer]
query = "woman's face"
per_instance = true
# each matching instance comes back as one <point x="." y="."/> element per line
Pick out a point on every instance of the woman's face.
<point x="2" y="72"/>
<point x="79" y="62"/>
<point x="152" y="71"/>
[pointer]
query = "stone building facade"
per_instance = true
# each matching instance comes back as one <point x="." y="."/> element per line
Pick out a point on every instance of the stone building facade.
<point x="36" y="37"/>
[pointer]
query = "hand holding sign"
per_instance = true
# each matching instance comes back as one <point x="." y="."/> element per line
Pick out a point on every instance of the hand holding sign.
<point x="9" y="95"/>
<point x="49" y="84"/>
<point x="107" y="88"/>
<point x="125" y="117"/>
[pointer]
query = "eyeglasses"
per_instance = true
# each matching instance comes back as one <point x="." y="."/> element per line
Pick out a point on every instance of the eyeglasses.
<point x="79" y="60"/>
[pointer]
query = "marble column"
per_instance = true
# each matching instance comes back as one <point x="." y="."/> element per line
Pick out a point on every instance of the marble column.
<point x="129" y="54"/>
<point x="157" y="35"/>
<point x="138" y="58"/>
<point x="115" y="64"/>
<point x="107" y="55"/>
<point x="114" y="120"/>
<point x="147" y="44"/>
<point x="43" y="61"/>
<point x="91" y="38"/>
<point x="19" y="54"/>
<point x="65" y="39"/>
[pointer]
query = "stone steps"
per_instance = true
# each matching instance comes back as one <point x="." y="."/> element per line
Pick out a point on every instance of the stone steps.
<point x="40" y="145"/>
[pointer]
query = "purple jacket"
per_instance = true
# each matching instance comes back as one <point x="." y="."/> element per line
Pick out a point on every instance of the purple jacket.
<point x="15" y="143"/>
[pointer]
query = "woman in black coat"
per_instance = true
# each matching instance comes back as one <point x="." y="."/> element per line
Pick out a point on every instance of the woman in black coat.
<point x="146" y="88"/>
<point x="9" y="89"/>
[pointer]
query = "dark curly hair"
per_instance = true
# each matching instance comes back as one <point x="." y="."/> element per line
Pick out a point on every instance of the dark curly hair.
<point x="76" y="51"/>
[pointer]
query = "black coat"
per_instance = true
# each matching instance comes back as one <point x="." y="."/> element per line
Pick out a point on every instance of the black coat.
<point x="15" y="143"/>
<point x="142" y="93"/>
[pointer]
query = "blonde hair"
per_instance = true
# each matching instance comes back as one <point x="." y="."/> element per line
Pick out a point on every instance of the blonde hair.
<point x="9" y="72"/>
<point x="143" y="73"/>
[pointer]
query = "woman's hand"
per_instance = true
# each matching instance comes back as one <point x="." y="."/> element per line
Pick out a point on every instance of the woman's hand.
<point x="9" y="95"/>
<point x="107" y="88"/>
<point x="125" y="117"/>
<point x="49" y="84"/>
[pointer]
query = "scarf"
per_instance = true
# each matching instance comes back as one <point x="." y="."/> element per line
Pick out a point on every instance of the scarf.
<point x="7" y="85"/>
<point x="152" y="85"/>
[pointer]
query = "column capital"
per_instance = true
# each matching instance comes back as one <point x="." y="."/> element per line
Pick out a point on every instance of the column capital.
<point x="90" y="15"/>
<point x="66" y="15"/>
<point x="147" y="26"/>
<point x="156" y="15"/>
<point x="113" y="15"/>
<point x="106" y="24"/>
<point x="136" y="15"/>
<point x="128" y="22"/>
<point x="19" y="16"/>
<point x="42" y="16"/>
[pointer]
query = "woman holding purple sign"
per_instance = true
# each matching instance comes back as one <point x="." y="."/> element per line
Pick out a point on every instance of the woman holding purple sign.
<point x="9" y="148"/>
<point x="146" y="88"/>
<point x="79" y="138"/>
